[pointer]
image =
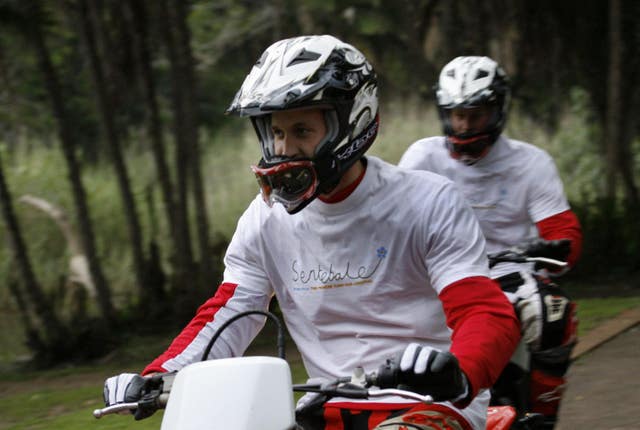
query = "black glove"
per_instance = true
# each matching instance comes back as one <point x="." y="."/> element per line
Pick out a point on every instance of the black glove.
<point x="426" y="370"/>
<point x="556" y="249"/>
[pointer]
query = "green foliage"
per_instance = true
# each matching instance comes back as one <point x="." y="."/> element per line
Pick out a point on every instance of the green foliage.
<point x="25" y="175"/>
<point x="574" y="148"/>
<point x="224" y="51"/>
<point x="572" y="145"/>
<point x="22" y="97"/>
<point x="612" y="237"/>
<point x="402" y="122"/>
<point x="11" y="334"/>
<point x="230" y="183"/>
<point x="41" y="173"/>
<point x="370" y="23"/>
<point x="24" y="101"/>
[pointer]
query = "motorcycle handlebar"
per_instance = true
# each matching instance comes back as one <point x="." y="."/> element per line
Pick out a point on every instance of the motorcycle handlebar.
<point x="155" y="394"/>
<point x="351" y="391"/>
<point x="543" y="252"/>
<point x="347" y="387"/>
<point x="521" y="257"/>
<point x="361" y="386"/>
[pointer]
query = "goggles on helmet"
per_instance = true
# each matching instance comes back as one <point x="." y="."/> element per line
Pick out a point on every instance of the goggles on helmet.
<point x="292" y="183"/>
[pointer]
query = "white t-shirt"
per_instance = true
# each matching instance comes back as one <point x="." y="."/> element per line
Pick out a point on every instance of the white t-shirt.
<point x="356" y="280"/>
<point x="513" y="187"/>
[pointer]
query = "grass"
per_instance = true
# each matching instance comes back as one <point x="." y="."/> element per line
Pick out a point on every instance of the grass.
<point x="595" y="311"/>
<point x="60" y="408"/>
<point x="65" y="398"/>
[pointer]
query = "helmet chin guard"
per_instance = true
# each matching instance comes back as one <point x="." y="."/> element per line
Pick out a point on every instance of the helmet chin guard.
<point x="311" y="71"/>
<point x="469" y="148"/>
<point x="291" y="183"/>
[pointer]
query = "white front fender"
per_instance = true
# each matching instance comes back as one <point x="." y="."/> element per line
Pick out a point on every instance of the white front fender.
<point x="245" y="393"/>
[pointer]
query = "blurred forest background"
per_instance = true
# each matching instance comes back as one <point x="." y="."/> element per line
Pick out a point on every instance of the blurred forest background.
<point x="121" y="179"/>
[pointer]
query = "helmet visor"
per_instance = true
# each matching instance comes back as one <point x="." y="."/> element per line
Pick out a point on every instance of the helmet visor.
<point x="289" y="182"/>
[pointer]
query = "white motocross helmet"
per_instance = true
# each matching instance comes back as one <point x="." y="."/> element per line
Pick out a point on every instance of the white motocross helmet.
<point x="469" y="82"/>
<point x="302" y="72"/>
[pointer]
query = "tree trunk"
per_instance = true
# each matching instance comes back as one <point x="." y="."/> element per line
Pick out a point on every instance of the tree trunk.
<point x="628" y="125"/>
<point x="189" y="90"/>
<point x="90" y="19"/>
<point x="48" y="321"/>
<point x="613" y="99"/>
<point x="138" y="19"/>
<point x="67" y="140"/>
<point x="631" y="102"/>
<point x="420" y="19"/>
<point x="11" y="100"/>
<point x="32" y="334"/>
<point x="184" y="250"/>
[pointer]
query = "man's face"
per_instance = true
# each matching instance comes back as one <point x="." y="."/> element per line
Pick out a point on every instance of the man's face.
<point x="298" y="132"/>
<point x="470" y="120"/>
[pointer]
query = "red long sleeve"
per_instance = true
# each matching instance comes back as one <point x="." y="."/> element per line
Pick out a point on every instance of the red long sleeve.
<point x="205" y="314"/>
<point x="485" y="328"/>
<point x="564" y="225"/>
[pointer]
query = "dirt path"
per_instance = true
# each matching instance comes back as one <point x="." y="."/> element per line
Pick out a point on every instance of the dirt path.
<point x="604" y="386"/>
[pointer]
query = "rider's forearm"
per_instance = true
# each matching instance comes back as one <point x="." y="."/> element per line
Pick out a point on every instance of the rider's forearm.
<point x="564" y="225"/>
<point x="485" y="329"/>
<point x="186" y="338"/>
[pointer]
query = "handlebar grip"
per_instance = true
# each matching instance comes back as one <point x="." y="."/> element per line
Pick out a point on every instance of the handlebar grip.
<point x="387" y="375"/>
<point x="352" y="392"/>
<point x="443" y="380"/>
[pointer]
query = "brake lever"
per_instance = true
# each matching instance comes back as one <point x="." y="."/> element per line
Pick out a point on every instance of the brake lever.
<point x="549" y="261"/>
<point x="401" y="393"/>
<point x="114" y="409"/>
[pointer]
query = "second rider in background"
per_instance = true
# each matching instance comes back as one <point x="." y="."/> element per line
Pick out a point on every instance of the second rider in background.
<point x="516" y="193"/>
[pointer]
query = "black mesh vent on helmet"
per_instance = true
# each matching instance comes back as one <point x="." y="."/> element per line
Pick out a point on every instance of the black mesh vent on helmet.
<point x="481" y="74"/>
<point x="303" y="57"/>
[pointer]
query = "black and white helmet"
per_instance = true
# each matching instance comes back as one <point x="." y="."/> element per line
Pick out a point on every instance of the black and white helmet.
<point x="468" y="82"/>
<point x="311" y="71"/>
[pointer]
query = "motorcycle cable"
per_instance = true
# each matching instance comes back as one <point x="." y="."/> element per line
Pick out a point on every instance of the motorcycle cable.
<point x="280" y="342"/>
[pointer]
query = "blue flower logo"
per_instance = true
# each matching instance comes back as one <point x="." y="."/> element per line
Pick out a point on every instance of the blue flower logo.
<point x="382" y="252"/>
